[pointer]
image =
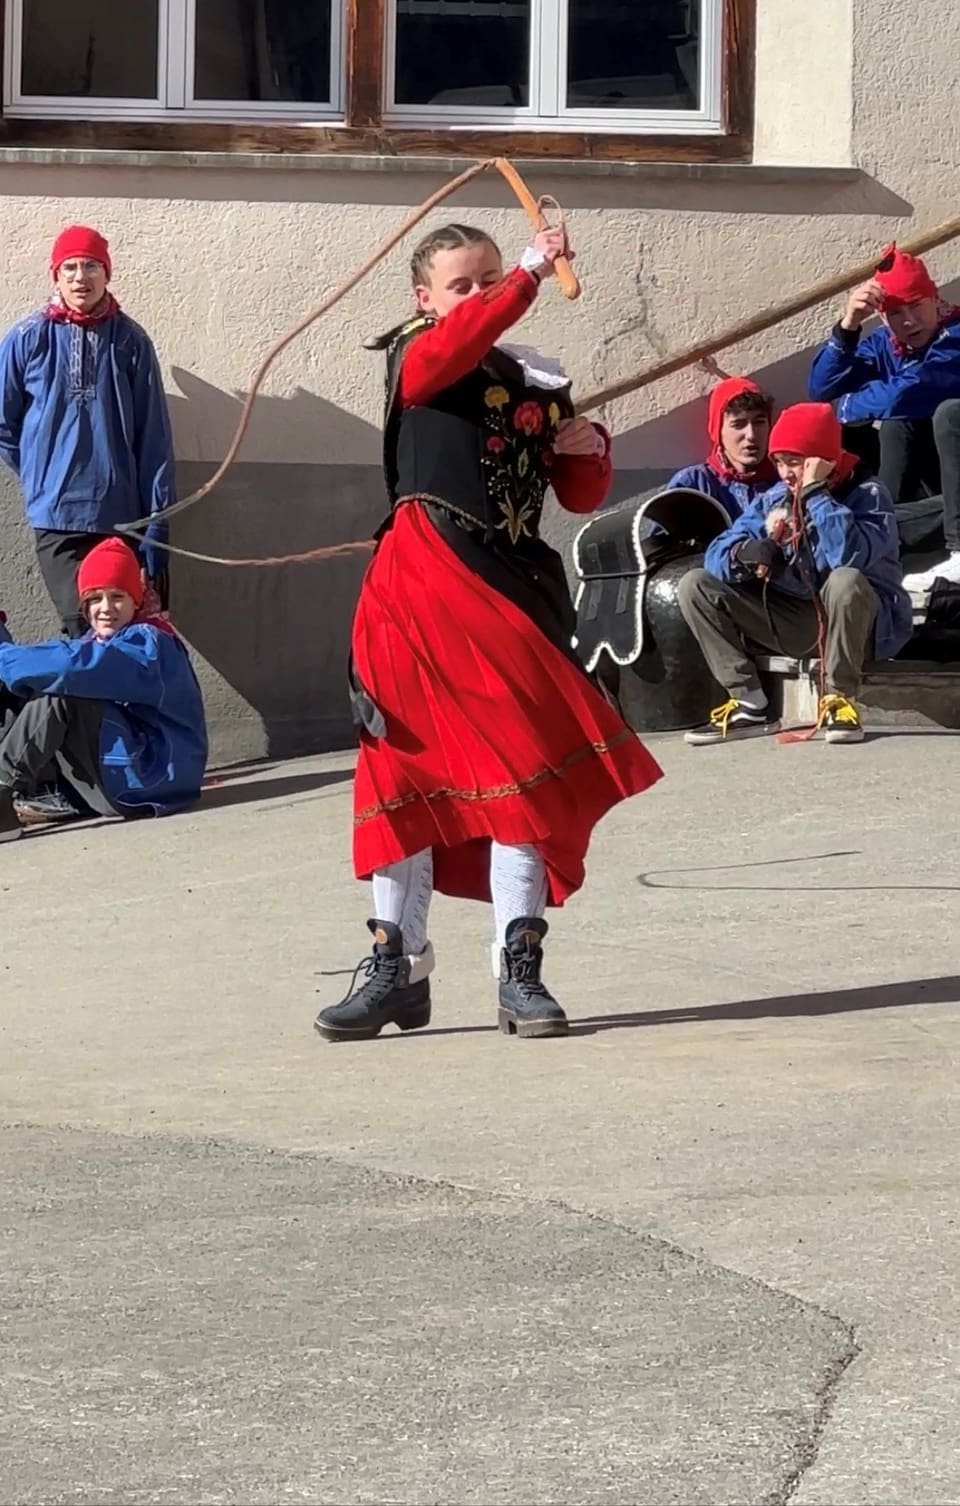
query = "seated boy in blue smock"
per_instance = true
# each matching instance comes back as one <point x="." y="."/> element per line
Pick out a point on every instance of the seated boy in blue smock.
<point x="119" y="710"/>
<point x="738" y="468"/>
<point x="812" y="568"/>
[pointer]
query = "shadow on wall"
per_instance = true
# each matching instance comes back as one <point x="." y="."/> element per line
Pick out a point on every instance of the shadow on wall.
<point x="679" y="437"/>
<point x="647" y="455"/>
<point x="747" y="190"/>
<point x="279" y="635"/>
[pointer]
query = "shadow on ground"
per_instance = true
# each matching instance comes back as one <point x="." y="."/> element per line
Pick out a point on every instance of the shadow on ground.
<point x="222" y="791"/>
<point x="905" y="995"/>
<point x="232" y="787"/>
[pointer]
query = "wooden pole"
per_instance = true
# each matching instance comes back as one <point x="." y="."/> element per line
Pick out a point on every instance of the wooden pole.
<point x="830" y="287"/>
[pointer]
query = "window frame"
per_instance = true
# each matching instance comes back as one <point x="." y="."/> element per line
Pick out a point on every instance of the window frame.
<point x="549" y="38"/>
<point x="363" y="126"/>
<point x="175" y="101"/>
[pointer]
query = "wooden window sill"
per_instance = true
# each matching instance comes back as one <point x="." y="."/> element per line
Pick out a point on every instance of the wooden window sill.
<point x="439" y="163"/>
<point x="281" y="140"/>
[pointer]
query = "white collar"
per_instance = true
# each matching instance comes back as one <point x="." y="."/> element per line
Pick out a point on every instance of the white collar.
<point x="538" y="370"/>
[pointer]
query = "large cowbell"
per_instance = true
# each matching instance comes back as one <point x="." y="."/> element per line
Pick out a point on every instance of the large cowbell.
<point x="630" y="562"/>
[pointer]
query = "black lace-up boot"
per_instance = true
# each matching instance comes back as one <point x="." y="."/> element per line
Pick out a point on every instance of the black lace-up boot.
<point x="396" y="991"/>
<point x="527" y="1007"/>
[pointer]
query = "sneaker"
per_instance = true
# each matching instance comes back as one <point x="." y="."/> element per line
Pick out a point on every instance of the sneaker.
<point x="396" y="991"/>
<point x="925" y="580"/>
<point x="840" y="720"/>
<point x="46" y="808"/>
<point x="732" y="721"/>
<point x="527" y="1007"/>
<point x="10" y="828"/>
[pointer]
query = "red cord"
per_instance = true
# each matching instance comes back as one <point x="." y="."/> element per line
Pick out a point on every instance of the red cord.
<point x="804" y="735"/>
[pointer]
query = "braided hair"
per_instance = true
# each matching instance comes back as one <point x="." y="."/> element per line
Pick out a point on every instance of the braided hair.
<point x="446" y="238"/>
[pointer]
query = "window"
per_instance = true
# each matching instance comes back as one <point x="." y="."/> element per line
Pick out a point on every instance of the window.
<point x="226" y="59"/>
<point x="580" y="64"/>
<point x="621" y="79"/>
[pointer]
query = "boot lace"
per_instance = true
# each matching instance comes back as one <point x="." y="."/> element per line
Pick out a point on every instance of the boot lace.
<point x="526" y="974"/>
<point x="380" y="973"/>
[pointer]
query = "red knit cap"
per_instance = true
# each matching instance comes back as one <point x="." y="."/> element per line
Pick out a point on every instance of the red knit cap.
<point x="807" y="429"/>
<point x="722" y="396"/>
<point x="111" y="566"/>
<point x="904" y="279"/>
<point x="80" y="240"/>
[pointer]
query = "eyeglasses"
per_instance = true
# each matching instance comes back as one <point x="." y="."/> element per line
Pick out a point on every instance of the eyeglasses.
<point x="80" y="268"/>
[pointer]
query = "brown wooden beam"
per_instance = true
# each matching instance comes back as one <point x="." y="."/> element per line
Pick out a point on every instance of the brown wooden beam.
<point x="365" y="48"/>
<point x="739" y="68"/>
<point x="196" y="136"/>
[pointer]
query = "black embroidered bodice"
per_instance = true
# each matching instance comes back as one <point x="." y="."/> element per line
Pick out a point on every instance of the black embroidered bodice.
<point x="481" y="450"/>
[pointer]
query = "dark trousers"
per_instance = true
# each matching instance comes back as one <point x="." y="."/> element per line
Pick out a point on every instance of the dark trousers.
<point x="733" y="624"/>
<point x="921" y="457"/>
<point x="62" y="732"/>
<point x="59" y="556"/>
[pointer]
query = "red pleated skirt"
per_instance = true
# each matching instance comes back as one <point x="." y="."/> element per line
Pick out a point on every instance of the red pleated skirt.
<point x="492" y="733"/>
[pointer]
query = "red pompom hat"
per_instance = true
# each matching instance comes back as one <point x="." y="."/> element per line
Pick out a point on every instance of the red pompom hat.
<point x="80" y="240"/>
<point x="904" y="279"/>
<point x="722" y="396"/>
<point x="810" y="430"/>
<point x="111" y="566"/>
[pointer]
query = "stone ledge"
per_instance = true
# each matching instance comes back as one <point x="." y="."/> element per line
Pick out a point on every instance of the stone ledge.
<point x="896" y="692"/>
<point x="745" y="173"/>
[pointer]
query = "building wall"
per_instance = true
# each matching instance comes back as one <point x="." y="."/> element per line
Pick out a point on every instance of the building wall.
<point x="217" y="261"/>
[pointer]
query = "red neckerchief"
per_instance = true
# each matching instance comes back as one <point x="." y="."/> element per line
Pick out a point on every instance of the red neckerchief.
<point x="949" y="314"/>
<point x="765" y="472"/>
<point x="162" y="624"/>
<point x="57" y="311"/>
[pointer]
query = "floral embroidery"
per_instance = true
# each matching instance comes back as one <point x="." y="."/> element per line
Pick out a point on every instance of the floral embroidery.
<point x="529" y="418"/>
<point x="517" y="457"/>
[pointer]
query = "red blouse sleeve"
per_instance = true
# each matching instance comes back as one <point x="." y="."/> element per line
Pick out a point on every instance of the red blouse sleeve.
<point x="452" y="347"/>
<point x="581" y="482"/>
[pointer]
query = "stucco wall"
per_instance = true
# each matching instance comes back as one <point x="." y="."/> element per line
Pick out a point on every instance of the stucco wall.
<point x="216" y="263"/>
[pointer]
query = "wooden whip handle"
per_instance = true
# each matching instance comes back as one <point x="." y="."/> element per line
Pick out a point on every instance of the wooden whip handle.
<point x="566" y="277"/>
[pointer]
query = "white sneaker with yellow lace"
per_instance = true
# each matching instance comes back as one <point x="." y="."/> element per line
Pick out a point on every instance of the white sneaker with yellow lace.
<point x="732" y="722"/>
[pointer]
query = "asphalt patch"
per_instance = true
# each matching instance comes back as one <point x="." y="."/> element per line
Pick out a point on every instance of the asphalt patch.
<point x="197" y="1322"/>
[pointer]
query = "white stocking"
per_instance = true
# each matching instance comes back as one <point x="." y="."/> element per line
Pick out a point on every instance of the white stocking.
<point x="518" y="883"/>
<point x="401" y="896"/>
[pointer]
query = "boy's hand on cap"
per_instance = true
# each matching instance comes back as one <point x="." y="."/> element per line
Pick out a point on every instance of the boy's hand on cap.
<point x="816" y="470"/>
<point x="864" y="301"/>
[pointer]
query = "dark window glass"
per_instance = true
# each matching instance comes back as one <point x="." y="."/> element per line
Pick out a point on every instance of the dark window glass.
<point x="90" y="48"/>
<point x="633" y="54"/>
<point x="463" y="52"/>
<point x="263" y="50"/>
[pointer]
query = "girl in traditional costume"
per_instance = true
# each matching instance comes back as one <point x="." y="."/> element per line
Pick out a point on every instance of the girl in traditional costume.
<point x="487" y="755"/>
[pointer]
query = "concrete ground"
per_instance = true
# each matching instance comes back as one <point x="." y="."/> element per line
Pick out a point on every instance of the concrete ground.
<point x="702" y="1251"/>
